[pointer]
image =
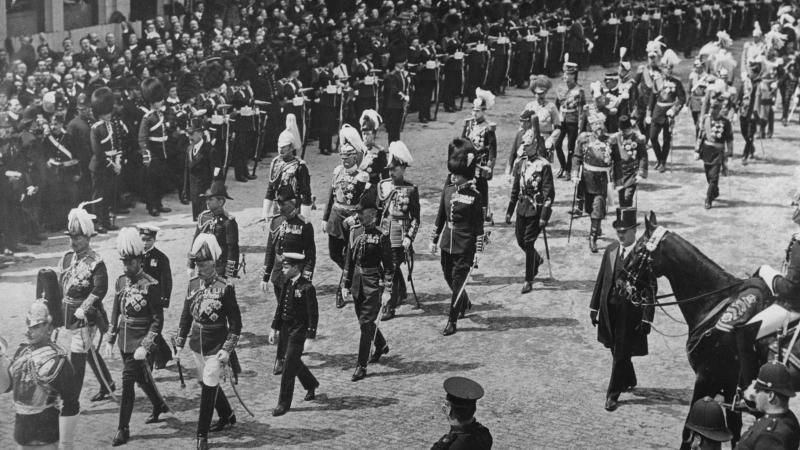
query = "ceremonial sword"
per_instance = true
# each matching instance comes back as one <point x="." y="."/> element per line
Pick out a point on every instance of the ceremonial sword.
<point x="178" y="361"/>
<point x="236" y="391"/>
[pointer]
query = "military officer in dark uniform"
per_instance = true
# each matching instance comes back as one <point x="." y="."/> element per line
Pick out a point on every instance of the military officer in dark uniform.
<point x="570" y="101"/>
<point x="481" y="133"/>
<point x="465" y="432"/>
<point x="156" y="264"/>
<point x="137" y="318"/>
<point x="623" y="327"/>
<point x="453" y="72"/>
<point x="287" y="169"/>
<point x="288" y="229"/>
<point x="532" y="195"/>
<point x="778" y="427"/>
<point x="296" y="318"/>
<point x="84" y="282"/>
<point x="206" y="163"/>
<point x="152" y="144"/>
<point x="106" y="162"/>
<point x="329" y="97"/>
<point x="41" y="377"/>
<point x="395" y="94"/>
<point x="293" y="99"/>
<point x="400" y="218"/>
<point x="459" y="226"/>
<point x="244" y="119"/>
<point x="714" y="145"/>
<point x="375" y="160"/>
<point x="427" y="79"/>
<point x="369" y="272"/>
<point x="748" y="109"/>
<point x="211" y="314"/>
<point x="366" y="83"/>
<point x="347" y="185"/>
<point x="666" y="102"/>
<point x="219" y="223"/>
<point x="629" y="160"/>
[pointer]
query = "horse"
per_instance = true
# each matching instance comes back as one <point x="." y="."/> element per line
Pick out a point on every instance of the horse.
<point x="702" y="290"/>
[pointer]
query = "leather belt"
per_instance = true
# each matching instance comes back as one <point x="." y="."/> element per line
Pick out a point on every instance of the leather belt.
<point x="665" y="104"/>
<point x="592" y="168"/>
<point x="158" y="139"/>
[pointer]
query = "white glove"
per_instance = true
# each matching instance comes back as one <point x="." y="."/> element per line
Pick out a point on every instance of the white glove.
<point x="266" y="210"/>
<point x="670" y="113"/>
<point x="406" y="243"/>
<point x="80" y="314"/>
<point x="30" y="190"/>
<point x="108" y="350"/>
<point x="432" y="248"/>
<point x="177" y="355"/>
<point x="223" y="356"/>
<point x="264" y="286"/>
<point x="387" y="295"/>
<point x="308" y="347"/>
<point x="273" y="333"/>
<point x="640" y="179"/>
<point x="140" y="354"/>
<point x="647" y="120"/>
<point x="548" y="143"/>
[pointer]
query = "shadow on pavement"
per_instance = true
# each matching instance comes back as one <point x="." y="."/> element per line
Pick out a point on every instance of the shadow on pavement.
<point x="249" y="340"/>
<point x="550" y="284"/>
<point x="403" y="367"/>
<point x="512" y="323"/>
<point x="347" y="402"/>
<point x="659" y="396"/>
<point x="654" y="187"/>
<point x="253" y="249"/>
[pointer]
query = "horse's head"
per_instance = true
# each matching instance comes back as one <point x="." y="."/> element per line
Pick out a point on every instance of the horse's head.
<point x="638" y="283"/>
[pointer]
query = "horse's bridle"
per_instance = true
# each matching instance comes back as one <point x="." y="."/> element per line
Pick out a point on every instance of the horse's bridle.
<point x="629" y="286"/>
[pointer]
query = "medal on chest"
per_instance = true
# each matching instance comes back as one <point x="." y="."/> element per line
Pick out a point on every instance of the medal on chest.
<point x="133" y="298"/>
<point x="209" y="303"/>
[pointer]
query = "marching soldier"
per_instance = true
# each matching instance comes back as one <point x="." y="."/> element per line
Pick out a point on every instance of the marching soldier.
<point x="329" y="97"/>
<point x="136" y="320"/>
<point x="458" y="228"/>
<point x="211" y="314"/>
<point x="287" y="169"/>
<point x="665" y="103"/>
<point x="699" y="81"/>
<point x="375" y="158"/>
<point x="62" y="153"/>
<point x="714" y="145"/>
<point x="106" y="163"/>
<point x="570" y="101"/>
<point x="287" y="230"/>
<point x="748" y="111"/>
<point x="41" y="376"/>
<point x="532" y="195"/>
<point x="593" y="156"/>
<point x="84" y="282"/>
<point x="296" y="318"/>
<point x="368" y="274"/>
<point x="400" y="218"/>
<point x="348" y="184"/>
<point x="245" y="120"/>
<point x="546" y="111"/>
<point x="293" y="100"/>
<point x="152" y="144"/>
<point x="453" y="72"/>
<point x="156" y="264"/>
<point x="766" y="93"/>
<point x="206" y="163"/>
<point x="465" y="432"/>
<point x="366" y="83"/>
<point x="778" y="427"/>
<point x="629" y="161"/>
<point x="219" y="223"/>
<point x="481" y="133"/>
<point x="789" y="74"/>
<point x="396" y="94"/>
<point x="427" y="79"/>
<point x="644" y="81"/>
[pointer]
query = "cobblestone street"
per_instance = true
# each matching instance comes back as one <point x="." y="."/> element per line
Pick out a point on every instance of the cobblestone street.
<point x="536" y="355"/>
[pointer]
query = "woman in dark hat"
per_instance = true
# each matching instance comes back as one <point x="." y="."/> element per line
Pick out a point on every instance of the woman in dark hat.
<point x="459" y="226"/>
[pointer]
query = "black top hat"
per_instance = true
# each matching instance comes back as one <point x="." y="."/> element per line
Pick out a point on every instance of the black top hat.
<point x="626" y="218"/>
<point x="217" y="189"/>
<point x="462" y="391"/>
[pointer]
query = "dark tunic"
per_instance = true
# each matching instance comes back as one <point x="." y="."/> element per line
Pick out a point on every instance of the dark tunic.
<point x="137" y="314"/>
<point x="298" y="310"/>
<point x="460" y="218"/>
<point x="156" y="264"/>
<point x="84" y="282"/>
<point x="468" y="437"/>
<point x="224" y="228"/>
<point x="296" y="232"/>
<point x="772" y="432"/>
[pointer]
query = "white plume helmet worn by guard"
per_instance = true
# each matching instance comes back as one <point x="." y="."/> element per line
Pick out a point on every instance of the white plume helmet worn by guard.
<point x="291" y="134"/>
<point x="205" y="247"/>
<point x="724" y="64"/>
<point x="670" y="58"/>
<point x="350" y="140"/>
<point x="38" y="313"/>
<point x="129" y="243"/>
<point x="399" y="153"/>
<point x="79" y="221"/>
<point x="785" y="9"/>
<point x="724" y="39"/>
<point x="655" y="46"/>
<point x="49" y="102"/>
<point x="370" y="120"/>
<point x="775" y="40"/>
<point x="757" y="30"/>
<point x="483" y="99"/>
<point x="786" y="19"/>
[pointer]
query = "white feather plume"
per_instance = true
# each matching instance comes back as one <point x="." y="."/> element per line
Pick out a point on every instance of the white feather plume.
<point x="350" y="136"/>
<point x="209" y="241"/>
<point x="79" y="221"/>
<point x="129" y="243"/>
<point x="372" y="115"/>
<point x="670" y="58"/>
<point x="399" y="152"/>
<point x="485" y="97"/>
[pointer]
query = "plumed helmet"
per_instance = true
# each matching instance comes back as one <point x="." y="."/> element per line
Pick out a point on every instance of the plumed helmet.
<point x="724" y="39"/>
<point x="596" y="119"/>
<point x="370" y="120"/>
<point x="540" y="84"/>
<point x="483" y="99"/>
<point x="655" y="46"/>
<point x="205" y="248"/>
<point x="79" y="222"/>
<point x="48" y="289"/>
<point x="213" y="76"/>
<point x="399" y="154"/>
<point x="350" y="140"/>
<point x="290" y="135"/>
<point x="129" y="243"/>
<point x="707" y="418"/>
<point x="462" y="158"/>
<point x="102" y="101"/>
<point x="670" y="58"/>
<point x="757" y="30"/>
<point x="38" y="313"/>
<point x="152" y="90"/>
